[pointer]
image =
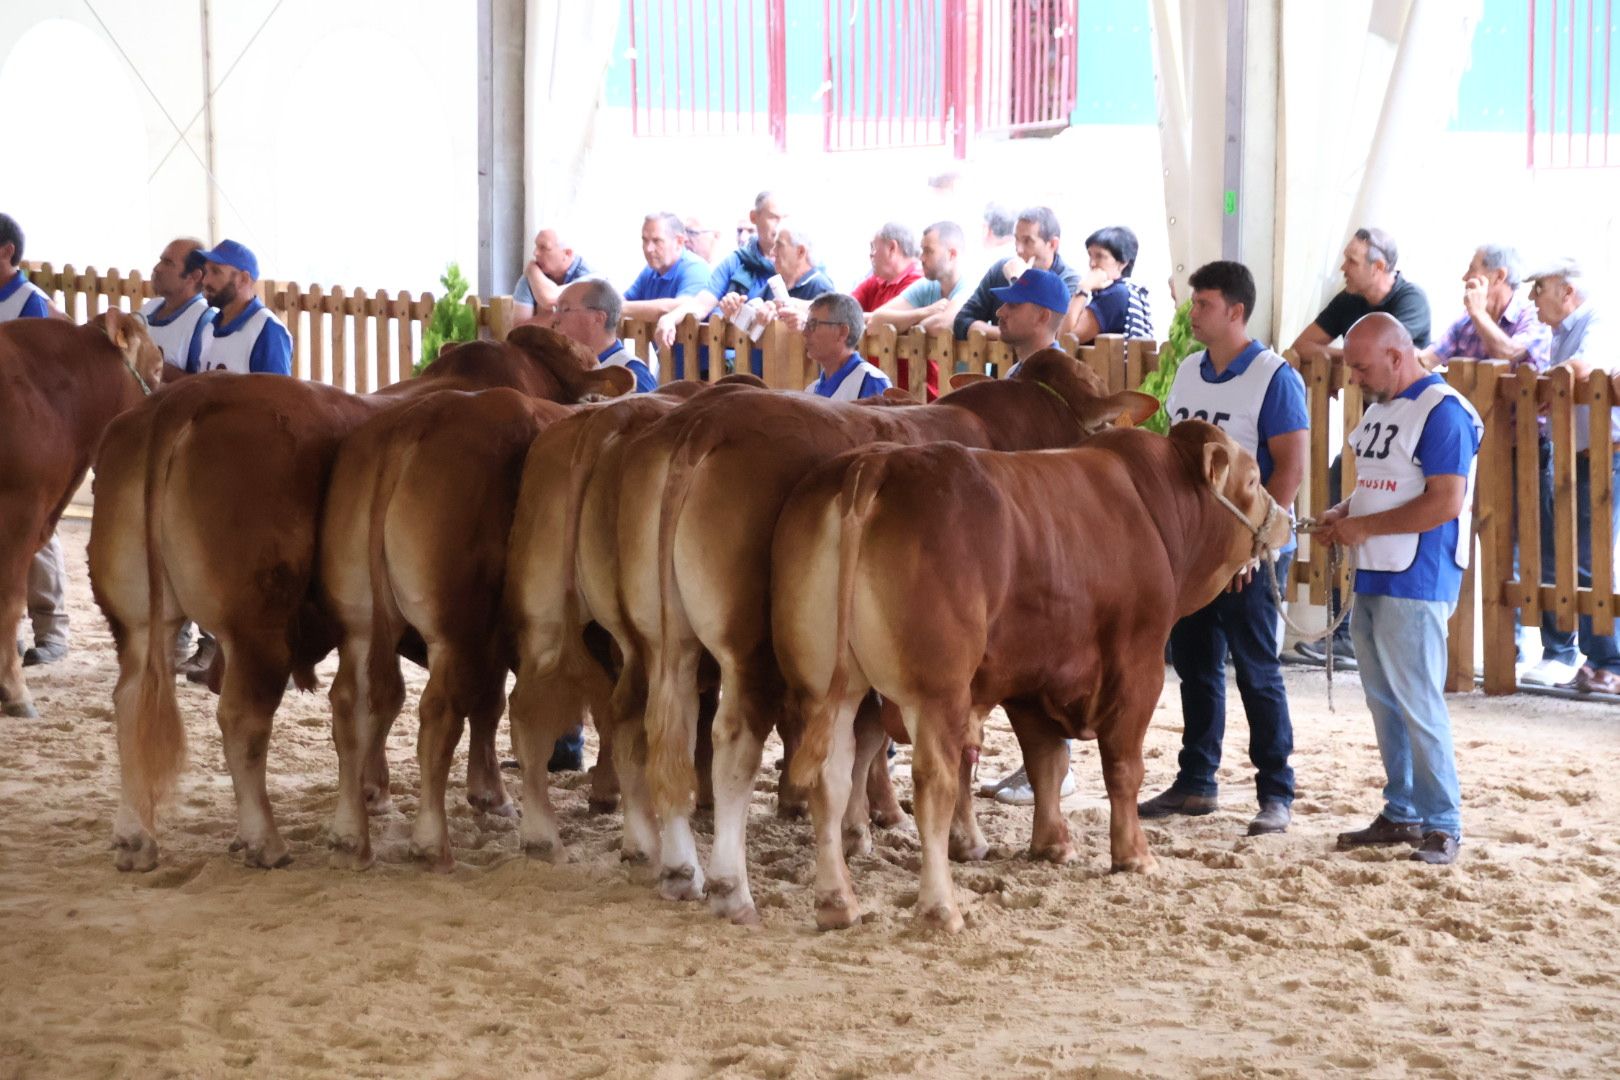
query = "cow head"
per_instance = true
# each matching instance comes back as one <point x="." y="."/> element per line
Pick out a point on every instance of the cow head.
<point x="1077" y="384"/>
<point x="574" y="368"/>
<point x="1248" y="518"/>
<point x="128" y="334"/>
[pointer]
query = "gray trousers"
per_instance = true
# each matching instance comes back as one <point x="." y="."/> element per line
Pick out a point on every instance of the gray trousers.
<point x="47" y="594"/>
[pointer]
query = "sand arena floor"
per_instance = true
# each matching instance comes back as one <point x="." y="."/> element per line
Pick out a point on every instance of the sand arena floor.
<point x="1268" y="957"/>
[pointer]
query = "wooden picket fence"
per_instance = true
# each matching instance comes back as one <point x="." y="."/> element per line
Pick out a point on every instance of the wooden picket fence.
<point x="364" y="340"/>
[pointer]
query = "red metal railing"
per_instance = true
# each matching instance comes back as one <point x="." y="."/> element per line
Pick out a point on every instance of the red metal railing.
<point x="1025" y="80"/>
<point x="892" y="73"/>
<point x="1575" y="56"/>
<point x="695" y="68"/>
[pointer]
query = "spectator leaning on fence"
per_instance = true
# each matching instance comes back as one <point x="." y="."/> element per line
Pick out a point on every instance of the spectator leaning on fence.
<point x="47" y="572"/>
<point x="672" y="272"/>
<point x="932" y="302"/>
<point x="1584" y="342"/>
<point x="794" y="255"/>
<point x="1497" y="322"/>
<point x="1036" y="237"/>
<point x="1118" y="305"/>
<point x="1408" y="521"/>
<point x="554" y="265"/>
<point x="736" y="279"/>
<point x="244" y="337"/>
<point x="1252" y="394"/>
<point x="893" y="254"/>
<point x="588" y="311"/>
<point x="700" y="238"/>
<point x="831" y="332"/>
<point x="177" y="316"/>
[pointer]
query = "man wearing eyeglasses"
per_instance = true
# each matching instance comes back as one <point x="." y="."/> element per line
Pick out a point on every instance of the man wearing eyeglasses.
<point x="1583" y="342"/>
<point x="831" y="332"/>
<point x="1371" y="283"/>
<point x="588" y="312"/>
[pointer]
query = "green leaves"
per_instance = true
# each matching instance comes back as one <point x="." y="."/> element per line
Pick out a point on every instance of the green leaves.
<point x="1157" y="382"/>
<point x="452" y="318"/>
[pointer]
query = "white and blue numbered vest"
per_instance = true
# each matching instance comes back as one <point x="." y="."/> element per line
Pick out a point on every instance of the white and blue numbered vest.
<point x="1232" y="405"/>
<point x="850" y="388"/>
<point x="234" y="351"/>
<point x="11" y="307"/>
<point x="174" y="336"/>
<point x="1388" y="475"/>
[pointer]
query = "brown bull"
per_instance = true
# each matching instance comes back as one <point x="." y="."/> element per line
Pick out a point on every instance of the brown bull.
<point x="702" y="492"/>
<point x="1065" y="573"/>
<point x="413" y="538"/>
<point x="564" y="657"/>
<point x="207" y="506"/>
<point x="60" y="386"/>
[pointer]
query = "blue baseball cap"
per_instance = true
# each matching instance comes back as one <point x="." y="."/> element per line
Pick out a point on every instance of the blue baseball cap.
<point x="235" y="255"/>
<point x="1036" y="286"/>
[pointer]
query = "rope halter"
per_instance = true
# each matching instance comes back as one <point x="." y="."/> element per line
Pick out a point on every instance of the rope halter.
<point x="1261" y="549"/>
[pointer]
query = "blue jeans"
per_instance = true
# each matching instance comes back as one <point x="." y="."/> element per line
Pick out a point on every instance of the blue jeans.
<point x="1245" y="621"/>
<point x="1401" y="645"/>
<point x="1602" y="650"/>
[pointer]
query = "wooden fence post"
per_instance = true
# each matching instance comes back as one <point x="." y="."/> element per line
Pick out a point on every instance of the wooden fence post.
<point x="1561" y="423"/>
<point x="1494" y="525"/>
<point x="1600" y="396"/>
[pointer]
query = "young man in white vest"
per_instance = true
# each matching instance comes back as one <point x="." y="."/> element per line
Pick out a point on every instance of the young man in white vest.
<point x="177" y="314"/>
<point x="1409" y="523"/>
<point x="47" y="572"/>
<point x="244" y="337"/>
<point x="1251" y="393"/>
<point x="831" y="331"/>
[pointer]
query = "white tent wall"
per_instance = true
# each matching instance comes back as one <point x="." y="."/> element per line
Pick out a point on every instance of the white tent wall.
<point x="345" y="139"/>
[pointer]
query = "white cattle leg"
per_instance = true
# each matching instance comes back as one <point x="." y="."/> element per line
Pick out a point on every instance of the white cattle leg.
<point x="836" y="906"/>
<point x="638" y="846"/>
<point x="935" y="765"/>
<point x="352" y="737"/>
<point x="870" y="742"/>
<point x="256" y="673"/>
<point x="672" y="688"/>
<point x="539" y="707"/>
<point x="439" y="731"/>
<point x="738" y="746"/>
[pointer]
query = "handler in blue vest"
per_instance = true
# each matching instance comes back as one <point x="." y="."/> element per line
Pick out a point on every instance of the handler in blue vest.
<point x="831" y="332"/>
<point x="1251" y="393"/>
<point x="177" y="315"/>
<point x="245" y="337"/>
<point x="1409" y="523"/>
<point x="47" y="571"/>
<point x="588" y="312"/>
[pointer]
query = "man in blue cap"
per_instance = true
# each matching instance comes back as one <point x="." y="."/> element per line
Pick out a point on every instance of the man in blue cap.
<point x="1030" y="312"/>
<point x="1032" y="308"/>
<point x="245" y="337"/>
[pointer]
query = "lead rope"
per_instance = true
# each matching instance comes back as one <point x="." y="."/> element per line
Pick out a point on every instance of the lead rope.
<point x="1262" y="551"/>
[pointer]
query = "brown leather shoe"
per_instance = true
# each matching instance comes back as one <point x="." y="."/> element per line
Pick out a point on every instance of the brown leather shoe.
<point x="1172" y="801"/>
<point x="1438" y="849"/>
<point x="1591" y="680"/>
<point x="1382" y="831"/>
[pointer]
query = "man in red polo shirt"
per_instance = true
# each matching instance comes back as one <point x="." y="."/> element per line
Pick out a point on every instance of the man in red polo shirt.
<point x="894" y="267"/>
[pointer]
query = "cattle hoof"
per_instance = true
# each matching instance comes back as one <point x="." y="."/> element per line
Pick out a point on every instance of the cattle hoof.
<point x="137" y="853"/>
<point x="728" y="901"/>
<point x="792" y="808"/>
<point x="887" y="817"/>
<point x="680" y="883"/>
<point x="941" y="917"/>
<point x="968" y="851"/>
<point x="545" y="850"/>
<point x="23" y="710"/>
<point x="506" y="809"/>
<point x="837" y="912"/>
<point x="857" y="842"/>
<point x="378" y="800"/>
<point x="607" y="804"/>
<point x="639" y="868"/>
<point x="267" y="856"/>
<point x="1060" y="854"/>
<point x="350" y="853"/>
<point x="1141" y="864"/>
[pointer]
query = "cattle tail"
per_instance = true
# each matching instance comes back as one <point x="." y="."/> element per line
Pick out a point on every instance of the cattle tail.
<point x="862" y="482"/>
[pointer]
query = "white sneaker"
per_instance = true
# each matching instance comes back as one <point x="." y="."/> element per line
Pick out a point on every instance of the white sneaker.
<point x="1021" y="794"/>
<point x="1549" y="673"/>
<point x="989" y="789"/>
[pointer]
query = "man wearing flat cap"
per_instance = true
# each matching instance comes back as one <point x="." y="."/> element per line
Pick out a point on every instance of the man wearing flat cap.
<point x="245" y="337"/>
<point x="1583" y="342"/>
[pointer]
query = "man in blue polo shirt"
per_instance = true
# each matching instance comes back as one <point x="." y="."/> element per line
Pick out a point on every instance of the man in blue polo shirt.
<point x="831" y="332"/>
<point x="737" y="278"/>
<point x="554" y="265"/>
<point x="244" y="337"/>
<point x="47" y="572"/>
<point x="1251" y="393"/>
<point x="672" y="272"/>
<point x="1036" y="238"/>
<point x="1409" y="523"/>
<point x="588" y="311"/>
<point x="177" y="316"/>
